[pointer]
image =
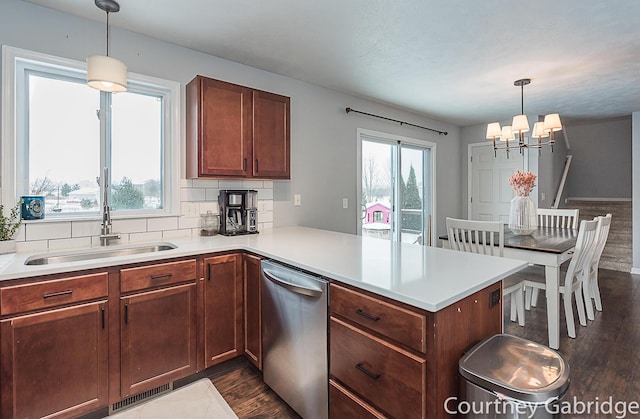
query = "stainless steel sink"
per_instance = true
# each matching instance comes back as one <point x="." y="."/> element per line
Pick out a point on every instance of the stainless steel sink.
<point x="97" y="254"/>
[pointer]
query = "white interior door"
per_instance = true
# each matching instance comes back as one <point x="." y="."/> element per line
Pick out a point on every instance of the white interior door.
<point x="490" y="193"/>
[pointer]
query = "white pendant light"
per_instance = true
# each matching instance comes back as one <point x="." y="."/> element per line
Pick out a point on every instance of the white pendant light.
<point x="103" y="72"/>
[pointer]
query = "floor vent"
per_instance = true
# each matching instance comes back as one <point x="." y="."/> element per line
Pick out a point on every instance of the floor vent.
<point x="139" y="398"/>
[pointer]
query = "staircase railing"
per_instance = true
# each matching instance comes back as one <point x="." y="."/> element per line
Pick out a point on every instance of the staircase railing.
<point x="563" y="179"/>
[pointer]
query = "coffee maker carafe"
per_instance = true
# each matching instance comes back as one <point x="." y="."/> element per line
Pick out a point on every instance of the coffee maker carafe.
<point x="238" y="212"/>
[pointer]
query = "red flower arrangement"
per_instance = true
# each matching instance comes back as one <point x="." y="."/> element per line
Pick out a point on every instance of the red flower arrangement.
<point x="522" y="182"/>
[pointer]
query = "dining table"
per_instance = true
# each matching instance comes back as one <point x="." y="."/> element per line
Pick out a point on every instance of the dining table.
<point x="549" y="247"/>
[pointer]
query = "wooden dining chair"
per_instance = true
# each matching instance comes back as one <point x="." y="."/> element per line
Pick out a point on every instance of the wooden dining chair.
<point x="487" y="238"/>
<point x="577" y="271"/>
<point x="590" y="289"/>
<point x="558" y="218"/>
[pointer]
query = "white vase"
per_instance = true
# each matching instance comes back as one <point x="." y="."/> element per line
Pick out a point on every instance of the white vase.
<point x="523" y="217"/>
<point x="7" y="246"/>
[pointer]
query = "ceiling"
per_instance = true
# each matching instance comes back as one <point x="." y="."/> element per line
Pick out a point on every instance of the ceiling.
<point x="452" y="60"/>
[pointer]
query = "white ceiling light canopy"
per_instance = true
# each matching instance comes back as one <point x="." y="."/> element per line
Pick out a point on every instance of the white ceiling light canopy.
<point x="520" y="125"/>
<point x="103" y="72"/>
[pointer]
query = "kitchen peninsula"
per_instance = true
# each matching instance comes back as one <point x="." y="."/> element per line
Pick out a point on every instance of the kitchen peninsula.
<point x="441" y="302"/>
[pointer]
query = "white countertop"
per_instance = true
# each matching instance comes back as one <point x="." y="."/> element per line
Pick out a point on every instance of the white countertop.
<point x="425" y="277"/>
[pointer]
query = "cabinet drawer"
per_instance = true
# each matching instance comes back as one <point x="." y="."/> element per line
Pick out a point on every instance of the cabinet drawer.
<point x="21" y="298"/>
<point x="401" y="325"/>
<point x="344" y="404"/>
<point x="379" y="372"/>
<point x="134" y="279"/>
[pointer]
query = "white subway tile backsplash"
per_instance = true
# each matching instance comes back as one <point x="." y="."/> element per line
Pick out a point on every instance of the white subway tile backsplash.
<point x="197" y="197"/>
<point x="265" y="205"/>
<point x="266" y="217"/>
<point x="164" y="223"/>
<point x="252" y="184"/>
<point x="206" y="183"/>
<point x="192" y="194"/>
<point x="77" y="242"/>
<point x="85" y="228"/>
<point x="174" y="234"/>
<point x="44" y="231"/>
<point x="189" y="222"/>
<point x="20" y="233"/>
<point x="130" y="225"/>
<point x="230" y="184"/>
<point x="211" y="195"/>
<point x="189" y="209"/>
<point x="149" y="236"/>
<point x="265" y="194"/>
<point x="208" y="206"/>
<point x="32" y="246"/>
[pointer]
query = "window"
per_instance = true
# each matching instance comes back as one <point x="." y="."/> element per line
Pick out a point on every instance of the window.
<point x="65" y="134"/>
<point x="397" y="180"/>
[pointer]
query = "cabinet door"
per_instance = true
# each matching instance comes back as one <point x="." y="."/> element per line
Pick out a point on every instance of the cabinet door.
<point x="158" y="330"/>
<point x="223" y="338"/>
<point x="458" y="327"/>
<point x="271" y="138"/>
<point x="219" y="129"/>
<point x="55" y="363"/>
<point x="252" y="310"/>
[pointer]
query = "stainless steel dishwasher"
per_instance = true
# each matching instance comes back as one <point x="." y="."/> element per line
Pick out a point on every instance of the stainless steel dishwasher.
<point x="294" y="333"/>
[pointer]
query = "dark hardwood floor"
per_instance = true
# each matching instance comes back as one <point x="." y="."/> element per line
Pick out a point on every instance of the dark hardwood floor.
<point x="603" y="358"/>
<point x="241" y="385"/>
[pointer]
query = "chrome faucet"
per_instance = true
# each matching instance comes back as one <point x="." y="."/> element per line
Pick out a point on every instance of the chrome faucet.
<point x="105" y="231"/>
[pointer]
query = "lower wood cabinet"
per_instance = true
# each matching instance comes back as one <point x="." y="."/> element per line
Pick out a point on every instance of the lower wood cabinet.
<point x="379" y="369"/>
<point x="158" y="337"/>
<point x="54" y="363"/>
<point x="223" y="304"/>
<point x="252" y="311"/>
<point x="345" y="404"/>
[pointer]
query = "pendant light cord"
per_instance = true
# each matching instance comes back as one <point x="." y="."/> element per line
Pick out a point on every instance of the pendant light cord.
<point x="107" y="32"/>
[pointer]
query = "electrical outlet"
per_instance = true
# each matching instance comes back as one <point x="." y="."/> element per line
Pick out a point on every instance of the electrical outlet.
<point x="542" y="196"/>
<point x="345" y="203"/>
<point x="494" y="297"/>
<point x="297" y="200"/>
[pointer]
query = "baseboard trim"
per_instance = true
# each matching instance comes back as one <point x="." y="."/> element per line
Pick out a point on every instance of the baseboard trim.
<point x="635" y="271"/>
<point x="599" y="199"/>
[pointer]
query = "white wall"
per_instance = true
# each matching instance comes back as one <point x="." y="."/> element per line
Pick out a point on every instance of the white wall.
<point x="323" y="136"/>
<point x="603" y="145"/>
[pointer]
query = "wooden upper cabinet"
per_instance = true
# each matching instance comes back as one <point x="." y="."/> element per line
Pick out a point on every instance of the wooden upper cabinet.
<point x="271" y="139"/>
<point x="236" y="132"/>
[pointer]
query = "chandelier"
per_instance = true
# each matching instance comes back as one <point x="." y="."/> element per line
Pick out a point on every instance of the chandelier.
<point x="520" y="125"/>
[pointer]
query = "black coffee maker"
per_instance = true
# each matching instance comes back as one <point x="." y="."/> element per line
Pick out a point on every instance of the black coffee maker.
<point x="238" y="212"/>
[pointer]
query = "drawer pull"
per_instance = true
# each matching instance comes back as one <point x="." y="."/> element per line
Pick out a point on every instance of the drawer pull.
<point x="57" y="294"/>
<point x="367" y="315"/>
<point x="163" y="276"/>
<point x="360" y="368"/>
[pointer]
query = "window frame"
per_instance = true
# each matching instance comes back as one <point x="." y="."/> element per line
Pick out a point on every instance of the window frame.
<point x="14" y="123"/>
<point x="429" y="176"/>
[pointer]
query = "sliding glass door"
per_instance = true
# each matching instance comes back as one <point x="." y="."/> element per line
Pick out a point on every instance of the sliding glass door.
<point x="396" y="179"/>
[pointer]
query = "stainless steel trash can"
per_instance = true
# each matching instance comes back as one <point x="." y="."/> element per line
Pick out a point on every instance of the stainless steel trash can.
<point x="506" y="376"/>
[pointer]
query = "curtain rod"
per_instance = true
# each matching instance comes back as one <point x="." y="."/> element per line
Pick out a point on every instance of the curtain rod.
<point x="395" y="120"/>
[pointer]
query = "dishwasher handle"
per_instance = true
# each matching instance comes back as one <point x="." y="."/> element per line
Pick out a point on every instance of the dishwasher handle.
<point x="297" y="288"/>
